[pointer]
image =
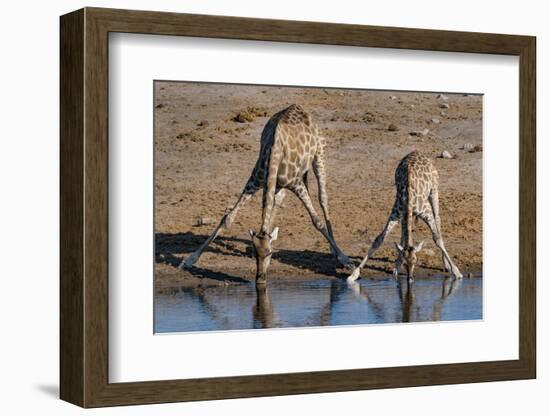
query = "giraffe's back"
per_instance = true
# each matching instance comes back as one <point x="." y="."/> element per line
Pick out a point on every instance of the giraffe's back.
<point x="294" y="136"/>
<point x="415" y="177"/>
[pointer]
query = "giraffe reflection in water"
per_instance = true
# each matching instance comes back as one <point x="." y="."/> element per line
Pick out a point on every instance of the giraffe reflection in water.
<point x="315" y="303"/>
<point x="410" y="310"/>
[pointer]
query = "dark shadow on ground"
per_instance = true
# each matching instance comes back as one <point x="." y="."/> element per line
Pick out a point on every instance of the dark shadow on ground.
<point x="391" y="263"/>
<point x="314" y="261"/>
<point x="167" y="245"/>
<point x="201" y="273"/>
<point x="379" y="268"/>
<point x="171" y="249"/>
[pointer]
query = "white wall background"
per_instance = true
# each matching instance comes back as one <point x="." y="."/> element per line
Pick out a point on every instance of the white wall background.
<point x="29" y="206"/>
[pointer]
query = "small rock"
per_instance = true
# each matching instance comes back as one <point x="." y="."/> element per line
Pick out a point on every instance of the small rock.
<point x="444" y="105"/>
<point x="160" y="105"/>
<point x="243" y="117"/>
<point x="420" y="132"/>
<point x="202" y="123"/>
<point x="445" y="155"/>
<point x="257" y="111"/>
<point x="442" y="97"/>
<point x="369" y="117"/>
<point x="442" y="113"/>
<point x="476" y="148"/>
<point x="393" y="97"/>
<point x="412" y="106"/>
<point x="204" y="221"/>
<point x="467" y="146"/>
<point x="392" y="127"/>
<point x="435" y="120"/>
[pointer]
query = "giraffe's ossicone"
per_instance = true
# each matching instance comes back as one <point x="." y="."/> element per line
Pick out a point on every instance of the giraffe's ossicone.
<point x="291" y="146"/>
<point x="417" y="196"/>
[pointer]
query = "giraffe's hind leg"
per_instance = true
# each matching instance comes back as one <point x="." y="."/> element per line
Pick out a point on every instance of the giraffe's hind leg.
<point x="301" y="192"/>
<point x="249" y="190"/>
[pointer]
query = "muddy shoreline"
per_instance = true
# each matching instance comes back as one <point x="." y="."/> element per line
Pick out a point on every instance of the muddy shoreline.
<point x="204" y="153"/>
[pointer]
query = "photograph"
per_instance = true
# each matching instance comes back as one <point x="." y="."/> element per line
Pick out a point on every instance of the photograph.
<point x="254" y="204"/>
<point x="287" y="206"/>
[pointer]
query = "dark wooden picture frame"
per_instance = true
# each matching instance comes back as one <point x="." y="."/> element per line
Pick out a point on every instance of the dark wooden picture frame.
<point x="84" y="207"/>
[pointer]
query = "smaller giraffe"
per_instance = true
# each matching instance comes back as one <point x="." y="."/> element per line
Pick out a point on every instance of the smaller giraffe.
<point x="417" y="196"/>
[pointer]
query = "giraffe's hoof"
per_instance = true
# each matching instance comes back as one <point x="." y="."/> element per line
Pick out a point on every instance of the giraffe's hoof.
<point x="354" y="276"/>
<point x="458" y="275"/>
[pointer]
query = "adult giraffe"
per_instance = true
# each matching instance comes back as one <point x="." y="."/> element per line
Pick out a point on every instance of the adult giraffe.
<point x="291" y="144"/>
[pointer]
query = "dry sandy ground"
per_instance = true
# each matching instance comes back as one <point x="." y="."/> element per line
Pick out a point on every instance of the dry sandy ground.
<point x="203" y="158"/>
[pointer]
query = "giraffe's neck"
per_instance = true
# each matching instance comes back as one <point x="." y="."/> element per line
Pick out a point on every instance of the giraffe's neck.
<point x="408" y="217"/>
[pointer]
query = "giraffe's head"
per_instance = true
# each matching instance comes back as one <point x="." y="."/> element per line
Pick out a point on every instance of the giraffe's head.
<point x="409" y="257"/>
<point x="263" y="249"/>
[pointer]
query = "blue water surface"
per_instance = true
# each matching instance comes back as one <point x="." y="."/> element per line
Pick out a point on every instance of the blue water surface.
<point x="322" y="302"/>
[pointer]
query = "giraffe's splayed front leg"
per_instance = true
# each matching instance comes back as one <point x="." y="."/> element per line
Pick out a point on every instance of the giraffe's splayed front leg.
<point x="395" y="273"/>
<point x="189" y="261"/>
<point x="354" y="275"/>
<point x="456" y="273"/>
<point x="446" y="265"/>
<point x="451" y="267"/>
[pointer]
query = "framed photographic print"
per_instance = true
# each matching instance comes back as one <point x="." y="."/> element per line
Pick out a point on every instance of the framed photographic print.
<point x="255" y="207"/>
